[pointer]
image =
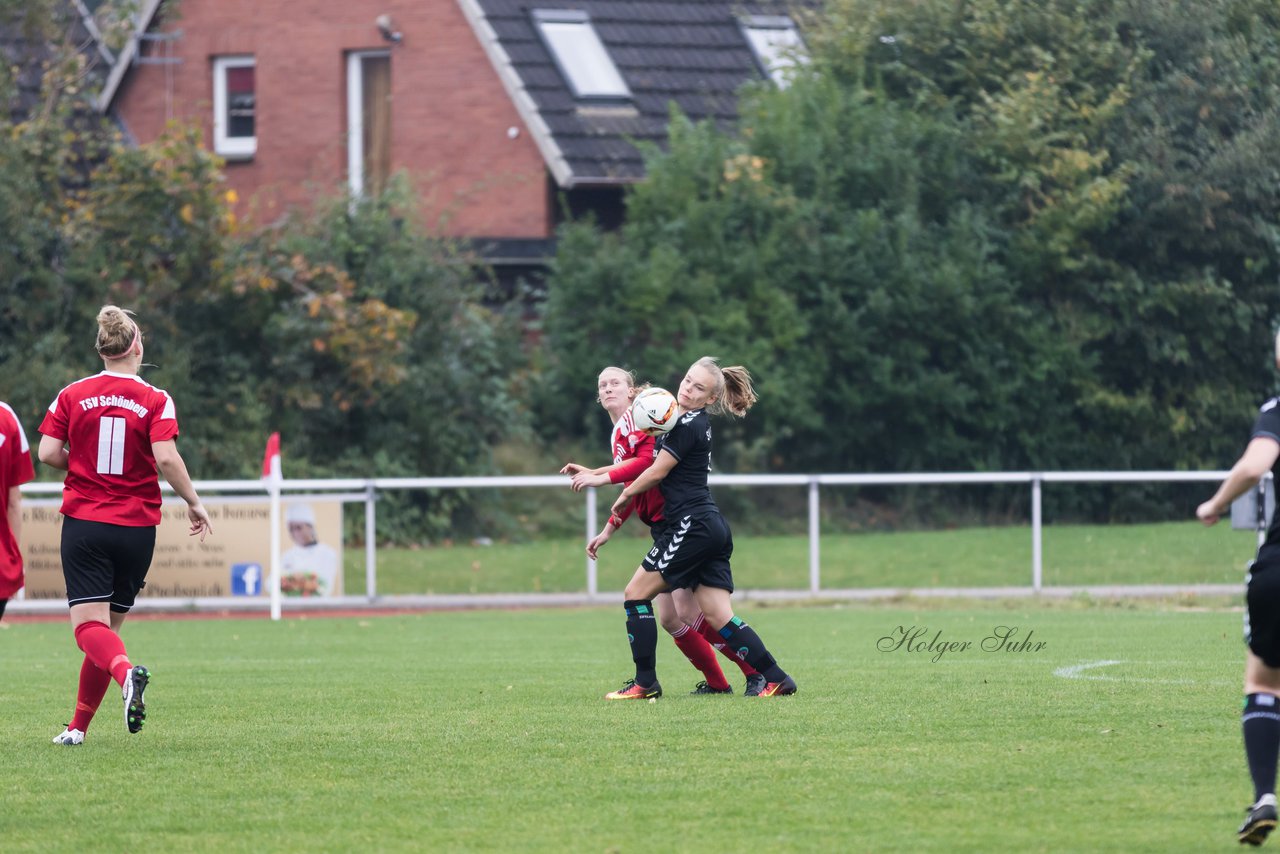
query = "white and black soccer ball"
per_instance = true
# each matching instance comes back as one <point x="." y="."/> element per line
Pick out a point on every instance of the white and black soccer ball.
<point x="655" y="410"/>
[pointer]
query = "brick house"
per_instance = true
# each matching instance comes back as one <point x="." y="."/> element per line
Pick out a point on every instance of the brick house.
<point x="504" y="113"/>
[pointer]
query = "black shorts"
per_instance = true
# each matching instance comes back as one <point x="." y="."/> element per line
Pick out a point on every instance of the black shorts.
<point x="105" y="563"/>
<point x="692" y="551"/>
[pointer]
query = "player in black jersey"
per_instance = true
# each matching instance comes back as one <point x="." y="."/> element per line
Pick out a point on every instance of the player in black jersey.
<point x="1261" y="716"/>
<point x="693" y="550"/>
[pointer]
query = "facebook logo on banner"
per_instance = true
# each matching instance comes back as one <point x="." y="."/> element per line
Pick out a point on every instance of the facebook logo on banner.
<point x="246" y="579"/>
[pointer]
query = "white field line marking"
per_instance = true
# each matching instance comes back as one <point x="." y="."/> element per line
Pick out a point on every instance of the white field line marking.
<point x="1076" y="671"/>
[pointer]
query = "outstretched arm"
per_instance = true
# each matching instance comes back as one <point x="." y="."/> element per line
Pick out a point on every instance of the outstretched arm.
<point x="576" y="469"/>
<point x="628" y="469"/>
<point x="1257" y="460"/>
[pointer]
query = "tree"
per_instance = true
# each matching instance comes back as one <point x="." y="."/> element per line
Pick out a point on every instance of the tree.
<point x="50" y="142"/>
<point x="980" y="235"/>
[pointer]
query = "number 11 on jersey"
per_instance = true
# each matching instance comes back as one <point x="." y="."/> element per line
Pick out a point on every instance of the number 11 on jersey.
<point x="111" y="445"/>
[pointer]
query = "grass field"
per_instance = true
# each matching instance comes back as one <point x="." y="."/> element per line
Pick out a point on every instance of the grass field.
<point x="1170" y="553"/>
<point x="485" y="731"/>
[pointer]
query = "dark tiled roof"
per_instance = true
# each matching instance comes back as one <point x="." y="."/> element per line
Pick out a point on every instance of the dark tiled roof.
<point x="688" y="52"/>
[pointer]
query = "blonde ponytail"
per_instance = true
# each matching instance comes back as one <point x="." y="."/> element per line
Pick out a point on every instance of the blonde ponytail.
<point x="734" y="393"/>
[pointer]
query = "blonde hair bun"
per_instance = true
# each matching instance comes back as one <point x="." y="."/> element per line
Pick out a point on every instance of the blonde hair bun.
<point x="117" y="331"/>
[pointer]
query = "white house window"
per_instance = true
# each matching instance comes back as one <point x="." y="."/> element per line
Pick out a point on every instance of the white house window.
<point x="368" y="121"/>
<point x="235" y="104"/>
<point x="776" y="44"/>
<point x="580" y="55"/>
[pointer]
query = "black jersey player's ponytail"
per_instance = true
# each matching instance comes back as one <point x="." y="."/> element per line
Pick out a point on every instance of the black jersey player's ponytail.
<point x="734" y="394"/>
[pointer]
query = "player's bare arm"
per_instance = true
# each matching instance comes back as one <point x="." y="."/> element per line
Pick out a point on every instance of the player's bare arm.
<point x="53" y="452"/>
<point x="651" y="477"/>
<point x="174" y="470"/>
<point x="593" y="547"/>
<point x="15" y="513"/>
<point x="575" y="469"/>
<point x="1258" y="458"/>
<point x="602" y="476"/>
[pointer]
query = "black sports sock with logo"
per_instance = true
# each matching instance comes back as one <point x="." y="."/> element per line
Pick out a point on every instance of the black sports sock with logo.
<point x="1261" y="723"/>
<point x="741" y="638"/>
<point x="642" y="632"/>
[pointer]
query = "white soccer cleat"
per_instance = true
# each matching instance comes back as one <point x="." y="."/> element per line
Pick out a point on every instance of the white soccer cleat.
<point x="69" y="736"/>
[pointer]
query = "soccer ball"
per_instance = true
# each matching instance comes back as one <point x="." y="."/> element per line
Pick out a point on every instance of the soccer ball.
<point x="655" y="411"/>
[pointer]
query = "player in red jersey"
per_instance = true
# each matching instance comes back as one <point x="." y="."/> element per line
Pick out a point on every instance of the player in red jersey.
<point x="15" y="470"/>
<point x="109" y="432"/>
<point x="677" y="611"/>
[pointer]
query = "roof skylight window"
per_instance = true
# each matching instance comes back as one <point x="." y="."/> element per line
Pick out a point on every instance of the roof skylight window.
<point x="777" y="45"/>
<point x="580" y="55"/>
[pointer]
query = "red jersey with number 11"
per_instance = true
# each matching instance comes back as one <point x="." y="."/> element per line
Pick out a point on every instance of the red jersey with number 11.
<point x="109" y="422"/>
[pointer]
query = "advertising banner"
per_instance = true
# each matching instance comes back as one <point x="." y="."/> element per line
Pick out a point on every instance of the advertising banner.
<point x="233" y="561"/>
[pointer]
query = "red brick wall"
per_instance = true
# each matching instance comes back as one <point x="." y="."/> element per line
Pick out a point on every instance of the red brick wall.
<point x="450" y="114"/>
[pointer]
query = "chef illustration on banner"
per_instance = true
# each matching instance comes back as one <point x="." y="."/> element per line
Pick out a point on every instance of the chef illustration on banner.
<point x="310" y="567"/>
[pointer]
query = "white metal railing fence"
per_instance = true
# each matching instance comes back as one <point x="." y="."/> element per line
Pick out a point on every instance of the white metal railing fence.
<point x="366" y="490"/>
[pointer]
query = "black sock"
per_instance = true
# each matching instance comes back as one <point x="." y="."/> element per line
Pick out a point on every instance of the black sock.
<point x="642" y="631"/>
<point x="743" y="639"/>
<point x="1261" y="723"/>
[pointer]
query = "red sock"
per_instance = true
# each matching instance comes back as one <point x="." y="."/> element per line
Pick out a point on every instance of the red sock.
<point x="105" y="649"/>
<point x="94" y="682"/>
<point x="699" y="652"/>
<point x="713" y="637"/>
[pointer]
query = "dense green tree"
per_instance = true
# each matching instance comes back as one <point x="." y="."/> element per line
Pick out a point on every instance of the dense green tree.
<point x="51" y="143"/>
<point x="1197" y="236"/>
<point x="992" y="234"/>
<point x="693" y="273"/>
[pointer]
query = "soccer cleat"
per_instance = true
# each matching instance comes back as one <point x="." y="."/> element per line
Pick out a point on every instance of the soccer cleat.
<point x="778" y="689"/>
<point x="755" y="684"/>
<point x="69" y="736"/>
<point x="703" y="688"/>
<point x="1259" y="823"/>
<point x="632" y="691"/>
<point x="135" y="709"/>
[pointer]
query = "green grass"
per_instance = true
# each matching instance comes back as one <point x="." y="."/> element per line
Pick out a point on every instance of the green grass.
<point x="1169" y="553"/>
<point x="485" y="731"/>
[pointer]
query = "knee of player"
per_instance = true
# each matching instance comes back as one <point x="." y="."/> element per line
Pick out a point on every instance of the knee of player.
<point x="671" y="622"/>
<point x="688" y="615"/>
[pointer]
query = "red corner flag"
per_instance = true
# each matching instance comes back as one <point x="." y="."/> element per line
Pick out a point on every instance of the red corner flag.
<point x="271" y="459"/>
